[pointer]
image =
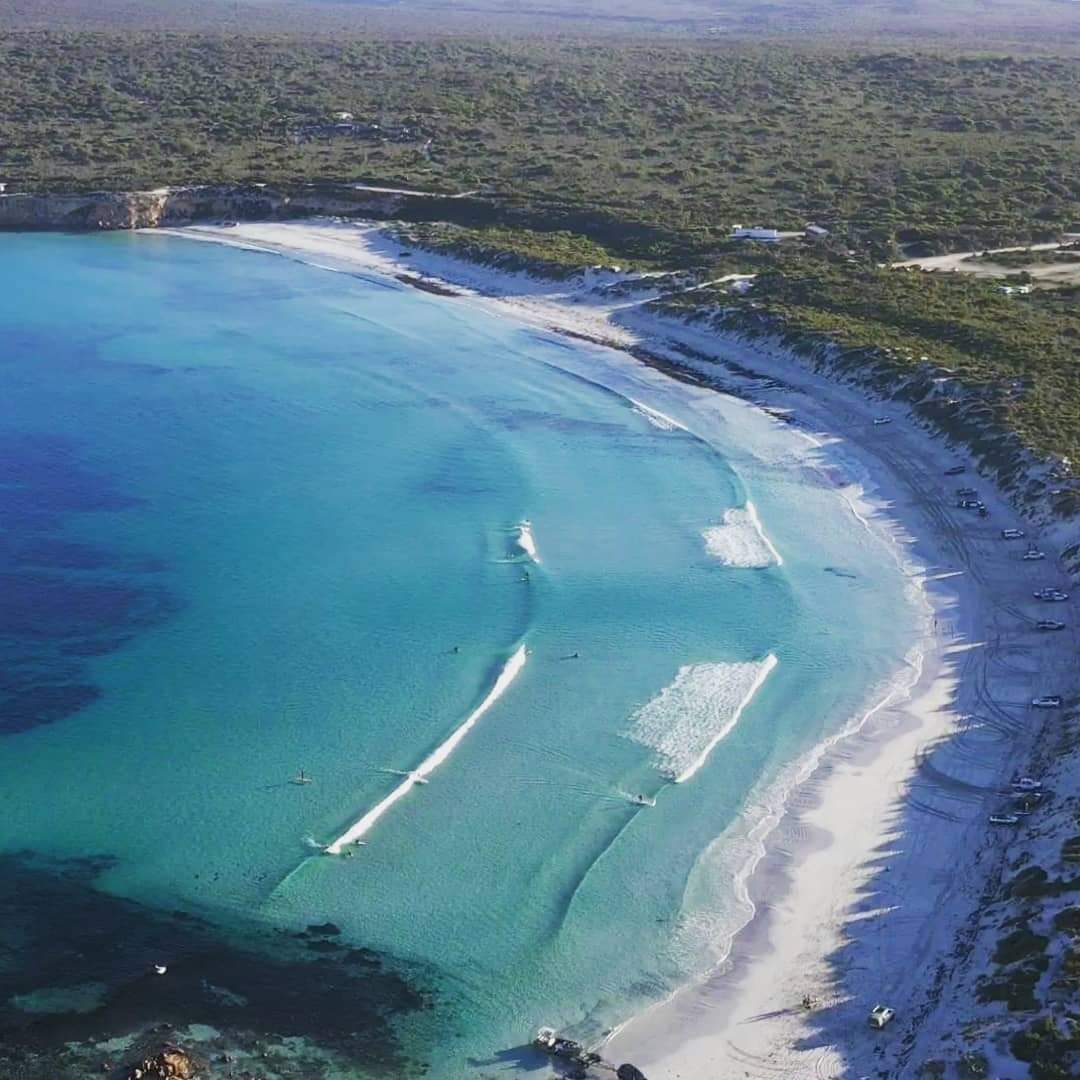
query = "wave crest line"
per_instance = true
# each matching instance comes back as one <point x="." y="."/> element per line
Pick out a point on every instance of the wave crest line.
<point x="509" y="672"/>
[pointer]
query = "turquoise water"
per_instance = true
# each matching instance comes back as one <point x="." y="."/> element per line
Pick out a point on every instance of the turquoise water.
<point x="262" y="517"/>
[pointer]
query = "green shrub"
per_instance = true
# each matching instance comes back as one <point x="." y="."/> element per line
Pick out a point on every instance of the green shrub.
<point x="1068" y="920"/>
<point x="1019" y="945"/>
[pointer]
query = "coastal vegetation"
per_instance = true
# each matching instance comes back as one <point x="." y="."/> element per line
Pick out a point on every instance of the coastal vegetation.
<point x="1021" y="354"/>
<point x="554" y="254"/>
<point x="652" y="150"/>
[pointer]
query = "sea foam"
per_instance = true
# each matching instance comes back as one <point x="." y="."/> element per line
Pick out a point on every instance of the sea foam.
<point x="526" y="541"/>
<point x="739" y="540"/>
<point x="656" y="417"/>
<point x="687" y="719"/>
<point x="435" y="758"/>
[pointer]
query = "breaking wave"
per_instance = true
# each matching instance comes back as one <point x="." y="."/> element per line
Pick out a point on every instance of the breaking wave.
<point x="656" y="418"/>
<point x="509" y="672"/>
<point x="526" y="541"/>
<point x="739" y="540"/>
<point x="686" y="720"/>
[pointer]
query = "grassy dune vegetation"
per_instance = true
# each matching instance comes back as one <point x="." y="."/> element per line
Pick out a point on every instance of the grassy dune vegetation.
<point x="1020" y="353"/>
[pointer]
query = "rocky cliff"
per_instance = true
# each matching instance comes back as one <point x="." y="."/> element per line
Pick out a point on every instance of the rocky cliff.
<point x="177" y="206"/>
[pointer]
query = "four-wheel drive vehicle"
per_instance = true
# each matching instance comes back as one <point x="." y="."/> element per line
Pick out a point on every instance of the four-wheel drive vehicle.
<point x="880" y="1015"/>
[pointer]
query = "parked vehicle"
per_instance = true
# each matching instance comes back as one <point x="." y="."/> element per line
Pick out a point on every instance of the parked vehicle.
<point x="1004" y="819"/>
<point x="1051" y="596"/>
<point x="1012" y="534"/>
<point x="1026" y="783"/>
<point x="879" y="420"/>
<point x="1049" y="624"/>
<point x="1046" y="701"/>
<point x="955" y="470"/>
<point x="880" y="1015"/>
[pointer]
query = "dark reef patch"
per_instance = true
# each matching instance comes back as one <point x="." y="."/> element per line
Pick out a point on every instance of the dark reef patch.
<point x="58" y="934"/>
<point x="62" y="599"/>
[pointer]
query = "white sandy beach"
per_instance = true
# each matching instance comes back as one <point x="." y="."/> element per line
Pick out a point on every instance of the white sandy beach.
<point x="871" y="871"/>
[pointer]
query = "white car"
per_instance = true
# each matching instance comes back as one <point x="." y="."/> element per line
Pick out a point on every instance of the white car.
<point x="1051" y="595"/>
<point x="1046" y="701"/>
<point x="879" y="420"/>
<point x="1012" y="534"/>
<point x="1049" y="624"/>
<point x="1026" y="783"/>
<point x="1004" y="819"/>
<point x="880" y="1015"/>
<point x="1033" y="555"/>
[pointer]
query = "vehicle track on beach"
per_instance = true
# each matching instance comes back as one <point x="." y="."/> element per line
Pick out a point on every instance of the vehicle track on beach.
<point x="956" y="772"/>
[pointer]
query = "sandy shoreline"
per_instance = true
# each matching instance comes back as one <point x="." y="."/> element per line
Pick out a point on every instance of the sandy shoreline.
<point x="876" y="863"/>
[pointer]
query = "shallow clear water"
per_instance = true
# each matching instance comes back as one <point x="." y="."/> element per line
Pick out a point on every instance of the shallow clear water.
<point x="262" y="517"/>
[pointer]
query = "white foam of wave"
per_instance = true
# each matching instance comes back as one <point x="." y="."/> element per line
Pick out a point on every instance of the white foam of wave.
<point x="509" y="672"/>
<point x="739" y="540"/>
<point x="526" y="541"/>
<point x="731" y="859"/>
<point x="687" y="719"/>
<point x="656" y="418"/>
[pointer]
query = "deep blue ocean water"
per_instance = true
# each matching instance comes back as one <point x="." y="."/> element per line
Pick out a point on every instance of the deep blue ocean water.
<point x="260" y="517"/>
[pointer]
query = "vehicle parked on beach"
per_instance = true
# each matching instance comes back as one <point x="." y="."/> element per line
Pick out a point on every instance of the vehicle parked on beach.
<point x="966" y="493"/>
<point x="970" y="504"/>
<point x="1049" y="624"/>
<point x="955" y="470"/>
<point x="1026" y="783"/>
<point x="1051" y="596"/>
<point x="1033" y="554"/>
<point x="880" y="1015"/>
<point x="880" y="420"/>
<point x="1046" y="701"/>
<point x="1012" y="534"/>
<point x="1004" y="819"/>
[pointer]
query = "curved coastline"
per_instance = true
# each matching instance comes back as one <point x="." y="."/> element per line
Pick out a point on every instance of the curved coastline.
<point x="875" y="752"/>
